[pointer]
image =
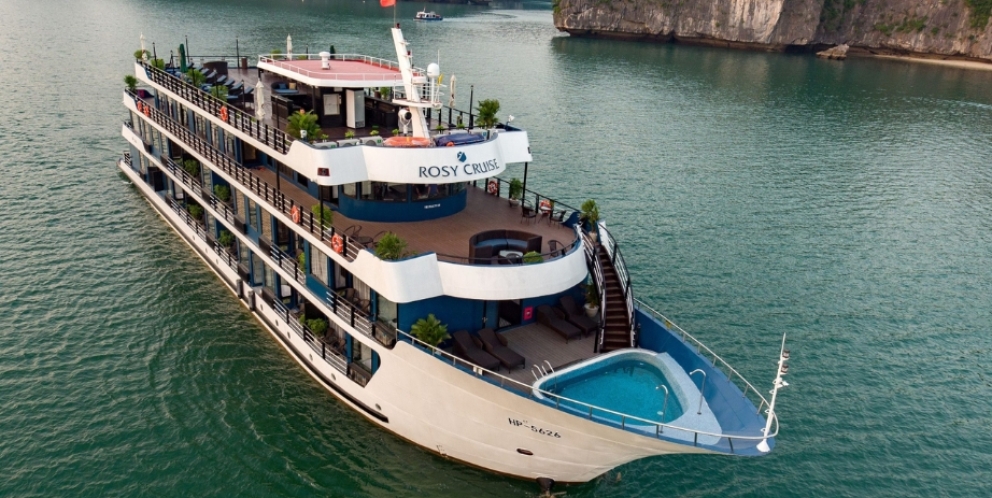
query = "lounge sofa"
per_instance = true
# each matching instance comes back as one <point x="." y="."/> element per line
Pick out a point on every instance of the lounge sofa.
<point x="484" y="245"/>
<point x="576" y="316"/>
<point x="497" y="345"/>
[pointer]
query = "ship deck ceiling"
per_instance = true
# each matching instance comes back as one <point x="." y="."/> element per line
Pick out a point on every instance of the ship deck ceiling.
<point x="445" y="236"/>
<point x="537" y="344"/>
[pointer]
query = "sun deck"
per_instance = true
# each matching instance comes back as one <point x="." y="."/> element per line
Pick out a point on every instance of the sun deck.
<point x="365" y="71"/>
<point x="448" y="237"/>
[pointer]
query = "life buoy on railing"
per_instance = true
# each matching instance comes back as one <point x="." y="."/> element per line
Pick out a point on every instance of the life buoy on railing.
<point x="337" y="244"/>
<point x="492" y="186"/>
<point x="138" y="104"/>
<point x="450" y="144"/>
<point x="295" y="213"/>
<point x="223" y="114"/>
<point x="148" y="110"/>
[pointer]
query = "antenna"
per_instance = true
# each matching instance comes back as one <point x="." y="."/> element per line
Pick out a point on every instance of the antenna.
<point x="777" y="384"/>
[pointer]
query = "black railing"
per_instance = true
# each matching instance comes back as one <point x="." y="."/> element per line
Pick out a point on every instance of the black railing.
<point x="613" y="251"/>
<point x="272" y="196"/>
<point x="274" y="138"/>
<point x="225" y="255"/>
<point x="331" y="357"/>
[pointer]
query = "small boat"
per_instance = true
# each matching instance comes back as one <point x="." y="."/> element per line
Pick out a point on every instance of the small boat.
<point x="428" y="16"/>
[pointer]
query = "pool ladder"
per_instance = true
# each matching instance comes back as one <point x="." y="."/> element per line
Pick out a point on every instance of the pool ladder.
<point x="540" y="372"/>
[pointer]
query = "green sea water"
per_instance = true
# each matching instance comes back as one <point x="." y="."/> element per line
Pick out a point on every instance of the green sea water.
<point x="846" y="204"/>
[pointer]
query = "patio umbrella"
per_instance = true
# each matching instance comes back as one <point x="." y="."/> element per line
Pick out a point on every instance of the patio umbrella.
<point x="182" y="59"/>
<point x="261" y="102"/>
<point x="289" y="47"/>
<point x="144" y="53"/>
<point x="332" y="50"/>
<point x="451" y="92"/>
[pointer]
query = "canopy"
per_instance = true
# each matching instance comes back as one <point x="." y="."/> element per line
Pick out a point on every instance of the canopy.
<point x="261" y="102"/>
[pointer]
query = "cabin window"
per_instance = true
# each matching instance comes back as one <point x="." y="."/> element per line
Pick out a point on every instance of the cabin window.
<point x="390" y="192"/>
<point x="386" y="311"/>
<point x="318" y="264"/>
<point x="422" y="192"/>
<point x="349" y="190"/>
<point x="252" y="214"/>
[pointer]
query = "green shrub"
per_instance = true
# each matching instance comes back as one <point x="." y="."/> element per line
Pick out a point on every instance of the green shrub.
<point x="533" y="257"/>
<point x="226" y="238"/>
<point x="590" y="212"/>
<point x="516" y="188"/>
<point x="223" y="192"/>
<point x="328" y="215"/>
<point x="195" y="210"/>
<point x="318" y="326"/>
<point x="430" y="330"/>
<point x="131" y="82"/>
<point x="979" y="12"/>
<point x="139" y="54"/>
<point x="158" y="64"/>
<point x="396" y="132"/>
<point x="301" y="260"/>
<point x="349" y="134"/>
<point x="196" y="77"/>
<point x="192" y="167"/>
<point x="390" y="247"/>
<point x="219" y="92"/>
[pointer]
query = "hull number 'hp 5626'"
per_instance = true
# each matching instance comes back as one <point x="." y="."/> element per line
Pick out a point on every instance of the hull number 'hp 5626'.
<point x="523" y="423"/>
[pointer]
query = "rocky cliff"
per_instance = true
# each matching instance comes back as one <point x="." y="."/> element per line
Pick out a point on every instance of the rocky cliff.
<point x="945" y="28"/>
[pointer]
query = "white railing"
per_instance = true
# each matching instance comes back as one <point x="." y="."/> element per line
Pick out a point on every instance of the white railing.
<point x="282" y="60"/>
<point x="717" y="360"/>
<point x="591" y="410"/>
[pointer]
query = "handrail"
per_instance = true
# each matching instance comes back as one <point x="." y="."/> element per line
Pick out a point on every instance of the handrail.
<point x="701" y="347"/>
<point x="613" y="251"/>
<point x="275" y="138"/>
<point x="531" y="390"/>
<point x="243" y="176"/>
<point x="358" y="319"/>
<point x="592" y="261"/>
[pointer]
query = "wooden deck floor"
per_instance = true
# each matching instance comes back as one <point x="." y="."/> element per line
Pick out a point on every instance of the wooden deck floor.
<point x="537" y="343"/>
<point x="445" y="236"/>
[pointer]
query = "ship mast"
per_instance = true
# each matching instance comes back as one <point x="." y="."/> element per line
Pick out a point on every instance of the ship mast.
<point x="416" y="86"/>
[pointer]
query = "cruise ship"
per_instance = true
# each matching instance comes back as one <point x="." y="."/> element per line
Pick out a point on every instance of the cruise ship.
<point x="369" y="226"/>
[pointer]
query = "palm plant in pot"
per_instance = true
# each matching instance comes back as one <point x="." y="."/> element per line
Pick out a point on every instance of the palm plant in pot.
<point x="590" y="217"/>
<point x="390" y="247"/>
<point x="304" y="125"/>
<point x="131" y="82"/>
<point x="430" y="330"/>
<point x="592" y="300"/>
<point x="516" y="191"/>
<point x="487" y="110"/>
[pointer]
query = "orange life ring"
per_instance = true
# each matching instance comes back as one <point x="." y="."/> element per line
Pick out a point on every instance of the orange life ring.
<point x="138" y="105"/>
<point x="223" y="114"/>
<point x="407" y="142"/>
<point x="295" y="213"/>
<point x="450" y="144"/>
<point x="544" y="206"/>
<point x="337" y="244"/>
<point x="148" y="110"/>
<point x="492" y="186"/>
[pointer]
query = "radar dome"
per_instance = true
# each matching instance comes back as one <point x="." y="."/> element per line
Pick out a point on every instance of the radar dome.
<point x="433" y="70"/>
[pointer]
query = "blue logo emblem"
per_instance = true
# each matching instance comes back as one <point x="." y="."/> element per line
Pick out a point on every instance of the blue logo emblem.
<point x="461" y="156"/>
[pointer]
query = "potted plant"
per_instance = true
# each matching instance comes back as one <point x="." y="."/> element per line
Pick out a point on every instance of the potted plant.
<point x="459" y="123"/>
<point x="592" y="300"/>
<point x="196" y="77"/>
<point x="328" y="215"/>
<point x="430" y="330"/>
<point x="192" y="167"/>
<point x="439" y="127"/>
<point x="533" y="257"/>
<point x="487" y="110"/>
<point x="140" y="54"/>
<point x="131" y="82"/>
<point x="349" y="134"/>
<point x="516" y="191"/>
<point x="385" y="93"/>
<point x="223" y="192"/>
<point x="226" y="238"/>
<point x="590" y="217"/>
<point x="390" y="247"/>
<point x="158" y="64"/>
<point x="219" y="92"/>
<point x="300" y="122"/>
<point x="195" y="210"/>
<point x="318" y="326"/>
<point x="396" y="132"/>
<point x="301" y="260"/>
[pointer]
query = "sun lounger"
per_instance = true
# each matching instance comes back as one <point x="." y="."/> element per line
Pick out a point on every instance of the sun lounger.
<point x="496" y="345"/>
<point x="466" y="348"/>
<point x="548" y="317"/>
<point x="576" y="316"/>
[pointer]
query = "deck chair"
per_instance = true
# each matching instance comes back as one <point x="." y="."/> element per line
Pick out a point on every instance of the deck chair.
<point x="549" y="318"/>
<point x="496" y="345"/>
<point x="466" y="348"/>
<point x="575" y="315"/>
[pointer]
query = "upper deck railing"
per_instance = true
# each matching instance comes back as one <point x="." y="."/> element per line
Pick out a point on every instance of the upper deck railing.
<point x="274" y="138"/>
<point x="592" y="412"/>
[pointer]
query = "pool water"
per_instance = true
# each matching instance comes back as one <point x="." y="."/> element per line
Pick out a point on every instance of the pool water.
<point x="624" y="385"/>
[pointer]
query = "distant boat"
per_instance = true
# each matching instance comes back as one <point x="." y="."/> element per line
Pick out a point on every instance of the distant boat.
<point x="428" y="16"/>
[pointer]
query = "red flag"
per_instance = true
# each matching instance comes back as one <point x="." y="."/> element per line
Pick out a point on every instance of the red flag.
<point x="387" y="3"/>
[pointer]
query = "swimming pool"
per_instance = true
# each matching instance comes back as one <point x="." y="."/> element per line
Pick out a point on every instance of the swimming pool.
<point x="631" y="382"/>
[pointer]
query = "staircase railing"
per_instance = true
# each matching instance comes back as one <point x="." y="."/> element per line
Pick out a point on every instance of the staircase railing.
<point x="592" y="261"/>
<point x="613" y="251"/>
